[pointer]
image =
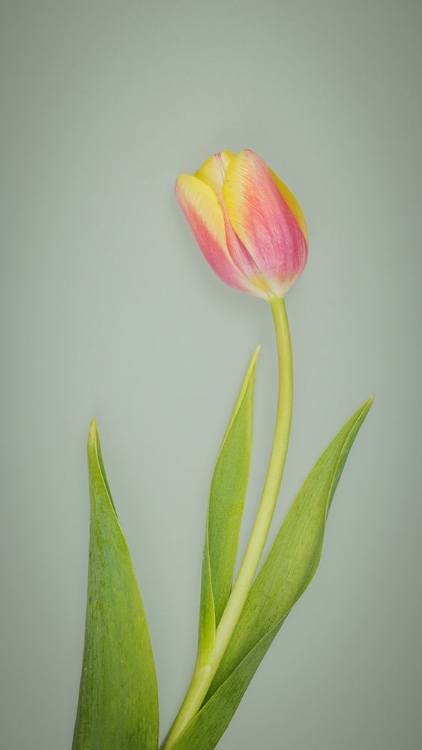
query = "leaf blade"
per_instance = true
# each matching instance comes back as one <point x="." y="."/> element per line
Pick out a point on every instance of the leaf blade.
<point x="118" y="703"/>
<point x="225" y="510"/>
<point x="265" y="611"/>
<point x="295" y="554"/>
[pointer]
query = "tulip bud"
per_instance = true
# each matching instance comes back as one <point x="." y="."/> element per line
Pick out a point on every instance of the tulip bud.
<point x="247" y="223"/>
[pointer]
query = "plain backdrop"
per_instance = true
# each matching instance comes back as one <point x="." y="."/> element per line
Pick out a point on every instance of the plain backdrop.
<point x="108" y="310"/>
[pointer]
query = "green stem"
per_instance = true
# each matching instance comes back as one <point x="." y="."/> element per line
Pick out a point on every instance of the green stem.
<point x="272" y="484"/>
<point x="204" y="674"/>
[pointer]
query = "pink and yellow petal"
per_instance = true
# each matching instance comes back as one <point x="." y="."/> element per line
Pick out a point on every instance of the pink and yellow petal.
<point x="291" y="202"/>
<point x="205" y="218"/>
<point x="262" y="218"/>
<point x="244" y="261"/>
<point x="213" y="170"/>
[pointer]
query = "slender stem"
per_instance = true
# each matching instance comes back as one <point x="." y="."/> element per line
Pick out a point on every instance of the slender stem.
<point x="204" y="674"/>
<point x="272" y="484"/>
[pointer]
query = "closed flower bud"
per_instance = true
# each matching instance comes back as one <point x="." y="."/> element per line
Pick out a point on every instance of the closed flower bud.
<point x="247" y="223"/>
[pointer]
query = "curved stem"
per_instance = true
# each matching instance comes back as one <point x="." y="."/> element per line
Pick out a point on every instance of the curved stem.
<point x="204" y="674"/>
<point x="272" y="484"/>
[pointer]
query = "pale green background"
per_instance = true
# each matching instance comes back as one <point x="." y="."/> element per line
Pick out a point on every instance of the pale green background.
<point x="108" y="310"/>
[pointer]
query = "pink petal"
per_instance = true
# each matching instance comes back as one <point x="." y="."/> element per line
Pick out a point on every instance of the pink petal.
<point x="205" y="218"/>
<point x="263" y="221"/>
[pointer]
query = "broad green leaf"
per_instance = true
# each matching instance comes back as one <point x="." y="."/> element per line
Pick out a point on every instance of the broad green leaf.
<point x="118" y="705"/>
<point x="296" y="552"/>
<point x="289" y="568"/>
<point x="225" y="509"/>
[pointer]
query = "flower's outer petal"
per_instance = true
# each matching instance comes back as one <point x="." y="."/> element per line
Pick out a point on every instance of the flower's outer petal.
<point x="205" y="218"/>
<point x="243" y="260"/>
<point x="292" y="203"/>
<point x="263" y="220"/>
<point x="213" y="170"/>
<point x="212" y="173"/>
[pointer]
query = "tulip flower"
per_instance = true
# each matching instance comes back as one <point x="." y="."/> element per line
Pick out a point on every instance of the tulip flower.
<point x="247" y="223"/>
<point x="252" y="232"/>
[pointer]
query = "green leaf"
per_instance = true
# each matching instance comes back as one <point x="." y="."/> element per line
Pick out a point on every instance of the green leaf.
<point x="206" y="612"/>
<point x="118" y="704"/>
<point x="225" y="509"/>
<point x="289" y="568"/>
<point x="296" y="552"/>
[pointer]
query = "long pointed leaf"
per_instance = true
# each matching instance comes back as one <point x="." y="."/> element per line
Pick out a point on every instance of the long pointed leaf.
<point x="287" y="572"/>
<point x="225" y="509"/>
<point x="118" y="705"/>
<point x="296" y="552"/>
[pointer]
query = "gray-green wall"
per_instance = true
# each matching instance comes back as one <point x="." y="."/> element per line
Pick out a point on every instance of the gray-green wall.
<point x="108" y="310"/>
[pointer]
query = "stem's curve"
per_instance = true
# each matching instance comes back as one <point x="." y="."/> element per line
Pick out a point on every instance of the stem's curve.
<point x="204" y="674"/>
<point x="272" y="484"/>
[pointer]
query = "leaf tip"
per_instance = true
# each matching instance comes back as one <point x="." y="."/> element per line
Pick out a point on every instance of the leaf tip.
<point x="94" y="447"/>
<point x="252" y="363"/>
<point x="368" y="403"/>
<point x="93" y="433"/>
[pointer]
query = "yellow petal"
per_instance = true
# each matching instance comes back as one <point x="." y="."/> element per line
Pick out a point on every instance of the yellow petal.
<point x="201" y="206"/>
<point x="204" y="215"/>
<point x="291" y="202"/>
<point x="213" y="170"/>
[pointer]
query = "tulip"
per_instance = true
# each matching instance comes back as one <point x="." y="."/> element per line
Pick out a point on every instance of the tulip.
<point x="252" y="232"/>
<point x="247" y="223"/>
